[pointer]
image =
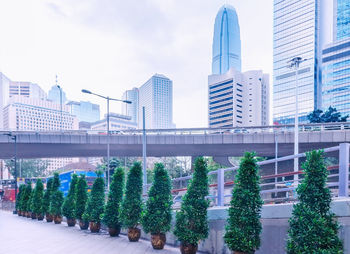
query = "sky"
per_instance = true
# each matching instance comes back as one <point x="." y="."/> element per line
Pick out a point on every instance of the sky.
<point x="109" y="46"/>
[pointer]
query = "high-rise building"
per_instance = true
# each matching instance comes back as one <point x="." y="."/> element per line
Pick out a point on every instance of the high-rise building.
<point x="116" y="122"/>
<point x="299" y="31"/>
<point x="341" y="19"/>
<point x="4" y="96"/>
<point x="156" y="95"/>
<point x="85" y="111"/>
<point x="227" y="41"/>
<point x="133" y="108"/>
<point x="26" y="89"/>
<point x="54" y="95"/>
<point x="238" y="99"/>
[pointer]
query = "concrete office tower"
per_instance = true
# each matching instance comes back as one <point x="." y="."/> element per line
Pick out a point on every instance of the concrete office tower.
<point x="341" y="19"/>
<point x="156" y="95"/>
<point x="4" y="96"/>
<point x="238" y="99"/>
<point x="26" y="89"/>
<point x="298" y="32"/>
<point x="85" y="111"/>
<point x="54" y="95"/>
<point x="133" y="108"/>
<point x="226" y="41"/>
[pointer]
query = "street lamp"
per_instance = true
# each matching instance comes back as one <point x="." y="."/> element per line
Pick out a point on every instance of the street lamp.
<point x="14" y="138"/>
<point x="108" y="134"/>
<point x="294" y="64"/>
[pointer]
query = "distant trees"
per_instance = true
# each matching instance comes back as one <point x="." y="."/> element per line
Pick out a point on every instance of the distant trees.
<point x="29" y="167"/>
<point x="329" y="116"/>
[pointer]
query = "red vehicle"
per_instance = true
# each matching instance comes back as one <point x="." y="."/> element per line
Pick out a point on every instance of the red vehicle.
<point x="7" y="190"/>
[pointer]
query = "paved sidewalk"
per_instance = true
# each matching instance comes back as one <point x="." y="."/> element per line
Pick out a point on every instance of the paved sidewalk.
<point x="20" y="235"/>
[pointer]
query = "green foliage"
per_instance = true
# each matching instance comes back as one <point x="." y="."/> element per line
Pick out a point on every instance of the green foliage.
<point x="115" y="197"/>
<point x="47" y="197"/>
<point x="55" y="182"/>
<point x="157" y="217"/>
<point x="25" y="198"/>
<point x="21" y="190"/>
<point x="313" y="228"/>
<point x="37" y="199"/>
<point x="243" y="228"/>
<point x="132" y="203"/>
<point x="95" y="203"/>
<point x="330" y="116"/>
<point x="56" y="199"/>
<point x="29" y="167"/>
<point x="80" y="197"/>
<point x="191" y="222"/>
<point x="68" y="208"/>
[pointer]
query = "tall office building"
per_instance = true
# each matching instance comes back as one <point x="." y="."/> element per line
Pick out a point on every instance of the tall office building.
<point x="156" y="95"/>
<point x="54" y="95"/>
<point x="85" y="111"/>
<point x="116" y="122"/>
<point x="26" y="89"/>
<point x="133" y="108"/>
<point x="341" y="19"/>
<point x="227" y="41"/>
<point x="300" y="30"/>
<point x="4" y="96"/>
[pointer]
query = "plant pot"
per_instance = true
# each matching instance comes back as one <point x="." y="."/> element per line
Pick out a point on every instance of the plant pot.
<point x="95" y="227"/>
<point x="49" y="217"/>
<point x="238" y="252"/>
<point x="40" y="216"/>
<point x="158" y="241"/>
<point x="29" y="214"/>
<point x="187" y="248"/>
<point x="57" y="219"/>
<point x="19" y="213"/>
<point x="84" y="225"/>
<point x="71" y="222"/>
<point x="114" y="231"/>
<point x="33" y="215"/>
<point x="134" y="234"/>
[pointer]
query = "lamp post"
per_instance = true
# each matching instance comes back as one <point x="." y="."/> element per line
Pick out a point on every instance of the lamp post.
<point x="14" y="138"/>
<point x="107" y="98"/>
<point x="294" y="64"/>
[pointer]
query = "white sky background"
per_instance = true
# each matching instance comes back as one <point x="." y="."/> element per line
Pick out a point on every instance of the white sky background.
<point x="109" y="46"/>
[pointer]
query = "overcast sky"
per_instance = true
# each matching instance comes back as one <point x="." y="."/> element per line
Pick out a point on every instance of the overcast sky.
<point x="109" y="46"/>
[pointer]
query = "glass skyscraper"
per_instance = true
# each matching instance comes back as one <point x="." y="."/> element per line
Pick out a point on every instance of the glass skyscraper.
<point x="84" y="110"/>
<point x="342" y="18"/>
<point x="227" y="41"/>
<point x="133" y="108"/>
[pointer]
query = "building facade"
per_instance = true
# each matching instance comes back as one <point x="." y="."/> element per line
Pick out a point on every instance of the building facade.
<point x="26" y="89"/>
<point x="133" y="108"/>
<point x="54" y="95"/>
<point x="238" y="99"/>
<point x="116" y="122"/>
<point x="156" y="95"/>
<point x="226" y="41"/>
<point x="341" y="19"/>
<point x="4" y="96"/>
<point x="85" y="111"/>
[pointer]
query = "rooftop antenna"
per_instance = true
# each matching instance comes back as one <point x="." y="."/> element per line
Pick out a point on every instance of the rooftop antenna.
<point x="56" y="79"/>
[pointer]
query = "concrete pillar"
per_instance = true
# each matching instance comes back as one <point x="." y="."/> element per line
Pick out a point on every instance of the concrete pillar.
<point x="344" y="169"/>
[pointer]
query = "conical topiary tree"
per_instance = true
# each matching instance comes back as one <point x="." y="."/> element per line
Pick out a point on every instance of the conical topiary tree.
<point x="115" y="197"/>
<point x="68" y="208"/>
<point x="81" y="199"/>
<point x="56" y="200"/>
<point x="157" y="216"/>
<point x="132" y="202"/>
<point x="37" y="200"/>
<point x="26" y="199"/>
<point x="243" y="224"/>
<point x="191" y="222"/>
<point x="46" y="201"/>
<point x="313" y="228"/>
<point x="95" y="204"/>
<point x="18" y="199"/>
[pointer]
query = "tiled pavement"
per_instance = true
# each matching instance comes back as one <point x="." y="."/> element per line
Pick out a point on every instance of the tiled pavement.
<point x="20" y="235"/>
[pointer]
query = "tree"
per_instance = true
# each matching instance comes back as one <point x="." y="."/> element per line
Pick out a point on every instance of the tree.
<point x="47" y="197"/>
<point x="244" y="227"/>
<point x="37" y="200"/>
<point x="25" y="202"/>
<point x="115" y="197"/>
<point x="330" y="116"/>
<point x="56" y="199"/>
<point x="69" y="202"/>
<point x="313" y="228"/>
<point x="29" y="167"/>
<point x="21" y="190"/>
<point x="157" y="217"/>
<point x="191" y="222"/>
<point x="80" y="197"/>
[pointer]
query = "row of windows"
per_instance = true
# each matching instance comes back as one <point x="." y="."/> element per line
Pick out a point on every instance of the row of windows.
<point x="223" y="116"/>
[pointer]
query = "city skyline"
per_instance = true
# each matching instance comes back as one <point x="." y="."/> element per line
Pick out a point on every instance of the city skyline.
<point x="53" y="27"/>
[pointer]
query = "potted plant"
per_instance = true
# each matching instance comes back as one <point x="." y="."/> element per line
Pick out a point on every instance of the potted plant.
<point x="112" y="209"/>
<point x="243" y="224"/>
<point x="56" y="200"/>
<point x="69" y="203"/>
<point x="46" y="201"/>
<point x="132" y="203"/>
<point x="95" y="205"/>
<point x="18" y="199"/>
<point x="80" y="204"/>
<point x="27" y="200"/>
<point x="37" y="200"/>
<point x="313" y="227"/>
<point x="191" y="221"/>
<point x="157" y="217"/>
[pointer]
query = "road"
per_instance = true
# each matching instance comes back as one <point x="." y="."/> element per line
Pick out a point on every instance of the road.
<point x="20" y="235"/>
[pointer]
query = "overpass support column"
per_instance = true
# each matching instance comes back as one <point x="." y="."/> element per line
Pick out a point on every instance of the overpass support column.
<point x="344" y="170"/>
<point x="221" y="187"/>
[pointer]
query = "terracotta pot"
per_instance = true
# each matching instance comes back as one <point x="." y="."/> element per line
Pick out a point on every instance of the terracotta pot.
<point x="40" y="216"/>
<point x="114" y="231"/>
<point x="57" y="219"/>
<point x="187" y="248"/>
<point x="95" y="227"/>
<point x="33" y="216"/>
<point x="84" y="225"/>
<point x="29" y="214"/>
<point x="158" y="241"/>
<point x="134" y="234"/>
<point x="71" y="222"/>
<point x="19" y="213"/>
<point x="49" y="217"/>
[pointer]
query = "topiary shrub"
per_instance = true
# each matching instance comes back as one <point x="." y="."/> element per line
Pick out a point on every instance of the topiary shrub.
<point x="191" y="221"/>
<point x="26" y="199"/>
<point x="47" y="199"/>
<point x="95" y="204"/>
<point x="243" y="224"/>
<point x="157" y="216"/>
<point x="56" y="200"/>
<point x="37" y="201"/>
<point x="132" y="202"/>
<point x="21" y="190"/>
<point x="80" y="201"/>
<point x="68" y="208"/>
<point x="313" y="228"/>
<point x="115" y="197"/>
